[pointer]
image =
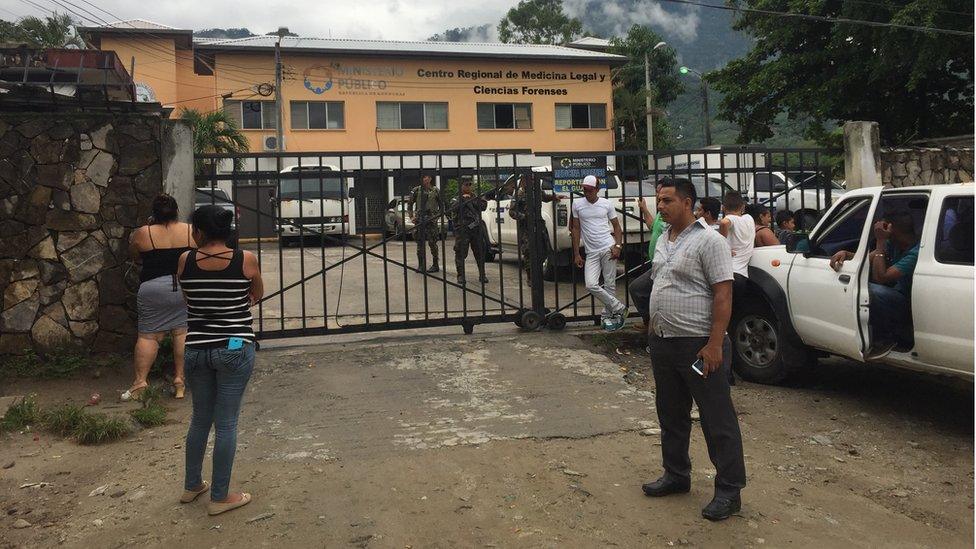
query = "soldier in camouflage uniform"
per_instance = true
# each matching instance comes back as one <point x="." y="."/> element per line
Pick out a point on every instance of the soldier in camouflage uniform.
<point x="468" y="232"/>
<point x="426" y="218"/>
<point x="517" y="211"/>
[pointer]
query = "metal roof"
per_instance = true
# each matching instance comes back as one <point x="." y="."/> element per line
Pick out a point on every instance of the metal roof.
<point x="410" y="49"/>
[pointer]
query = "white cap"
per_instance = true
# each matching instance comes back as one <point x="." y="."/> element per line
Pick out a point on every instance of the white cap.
<point x="590" y="181"/>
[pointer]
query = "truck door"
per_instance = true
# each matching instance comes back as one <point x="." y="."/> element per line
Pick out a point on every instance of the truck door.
<point x="829" y="308"/>
<point x="942" y="287"/>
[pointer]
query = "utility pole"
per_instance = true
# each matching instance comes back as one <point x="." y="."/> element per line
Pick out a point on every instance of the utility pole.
<point x="282" y="31"/>
<point x="705" y="116"/>
<point x="647" y="105"/>
<point x="648" y="100"/>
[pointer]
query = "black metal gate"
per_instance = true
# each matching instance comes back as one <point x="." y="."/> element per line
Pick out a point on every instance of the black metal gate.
<point x="331" y="264"/>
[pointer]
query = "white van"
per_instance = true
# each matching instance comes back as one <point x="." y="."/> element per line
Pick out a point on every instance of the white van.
<point x="312" y="201"/>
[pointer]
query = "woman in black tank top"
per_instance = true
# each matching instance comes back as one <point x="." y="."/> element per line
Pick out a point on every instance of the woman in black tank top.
<point x="162" y="310"/>
<point x="221" y="285"/>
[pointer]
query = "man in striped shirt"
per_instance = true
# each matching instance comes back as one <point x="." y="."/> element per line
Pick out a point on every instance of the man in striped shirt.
<point x="690" y="306"/>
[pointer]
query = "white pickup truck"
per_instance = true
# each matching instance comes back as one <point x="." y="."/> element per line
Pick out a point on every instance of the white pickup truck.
<point x="503" y="234"/>
<point x="796" y="308"/>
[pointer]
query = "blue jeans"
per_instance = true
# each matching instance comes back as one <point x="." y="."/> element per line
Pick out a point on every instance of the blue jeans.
<point x="891" y="315"/>
<point x="216" y="378"/>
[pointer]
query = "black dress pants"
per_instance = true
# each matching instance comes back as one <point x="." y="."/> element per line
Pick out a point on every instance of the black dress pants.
<point x="676" y="385"/>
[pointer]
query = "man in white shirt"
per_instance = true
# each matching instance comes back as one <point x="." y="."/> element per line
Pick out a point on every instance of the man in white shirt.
<point x="593" y="218"/>
<point x="740" y="230"/>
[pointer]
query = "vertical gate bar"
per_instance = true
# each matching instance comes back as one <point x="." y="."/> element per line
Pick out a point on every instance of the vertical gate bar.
<point x="425" y="242"/>
<point x="301" y="240"/>
<point x="573" y="269"/>
<point x="403" y="241"/>
<point x="554" y="209"/>
<point x="385" y="184"/>
<point x="281" y="261"/>
<point x="365" y="255"/>
<point x="501" y="277"/>
<point x="342" y="197"/>
<point x="534" y="200"/>
<point x="640" y="196"/>
<point x="477" y="165"/>
<point x="786" y="178"/>
<point x="622" y="159"/>
<point x="721" y="175"/>
<point x="442" y="223"/>
<point x="464" y="290"/>
<point x="257" y="210"/>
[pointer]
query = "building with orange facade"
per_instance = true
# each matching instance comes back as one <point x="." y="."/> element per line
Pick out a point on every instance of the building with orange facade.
<point x="376" y="95"/>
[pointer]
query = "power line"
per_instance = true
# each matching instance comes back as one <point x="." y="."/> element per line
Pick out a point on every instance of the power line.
<point x="826" y="19"/>
<point x="893" y="8"/>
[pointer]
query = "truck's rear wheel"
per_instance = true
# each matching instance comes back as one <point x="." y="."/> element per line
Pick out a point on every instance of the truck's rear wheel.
<point x="761" y="352"/>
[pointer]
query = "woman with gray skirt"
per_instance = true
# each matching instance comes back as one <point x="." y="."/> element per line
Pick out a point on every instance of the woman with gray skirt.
<point x="162" y="308"/>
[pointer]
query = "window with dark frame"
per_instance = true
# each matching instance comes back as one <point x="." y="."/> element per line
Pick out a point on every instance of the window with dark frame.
<point x="411" y="116"/>
<point x="504" y="116"/>
<point x="252" y="115"/>
<point x="581" y="116"/>
<point x="318" y="115"/>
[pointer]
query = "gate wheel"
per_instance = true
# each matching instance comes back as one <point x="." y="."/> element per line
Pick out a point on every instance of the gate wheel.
<point x="557" y="322"/>
<point x="468" y="328"/>
<point x="518" y="317"/>
<point x="531" y="321"/>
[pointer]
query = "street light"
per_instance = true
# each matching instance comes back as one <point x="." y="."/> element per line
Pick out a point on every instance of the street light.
<point x="706" y="120"/>
<point x="647" y="98"/>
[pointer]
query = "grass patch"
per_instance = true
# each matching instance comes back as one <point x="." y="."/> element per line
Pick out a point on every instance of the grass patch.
<point x="151" y="395"/>
<point x="58" y="364"/>
<point x="98" y="428"/>
<point x="63" y="420"/>
<point x="150" y="415"/>
<point x="21" y="415"/>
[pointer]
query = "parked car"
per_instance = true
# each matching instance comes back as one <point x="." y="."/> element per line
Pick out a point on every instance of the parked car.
<point x="397" y="219"/>
<point x="312" y="201"/>
<point x="503" y="235"/>
<point x="805" y="193"/>
<point x="206" y="196"/>
<point x="797" y="308"/>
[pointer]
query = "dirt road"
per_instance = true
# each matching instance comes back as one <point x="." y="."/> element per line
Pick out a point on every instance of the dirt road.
<point x="504" y="440"/>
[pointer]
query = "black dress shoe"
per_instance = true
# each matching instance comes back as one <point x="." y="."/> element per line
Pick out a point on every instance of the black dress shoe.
<point x="666" y="486"/>
<point x="433" y="269"/>
<point x="461" y="280"/>
<point x="722" y="507"/>
<point x="483" y="279"/>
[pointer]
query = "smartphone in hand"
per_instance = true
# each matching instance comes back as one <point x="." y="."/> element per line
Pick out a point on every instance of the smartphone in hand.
<point x="699" y="367"/>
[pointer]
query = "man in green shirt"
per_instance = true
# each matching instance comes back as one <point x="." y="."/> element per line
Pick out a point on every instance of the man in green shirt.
<point x="640" y="287"/>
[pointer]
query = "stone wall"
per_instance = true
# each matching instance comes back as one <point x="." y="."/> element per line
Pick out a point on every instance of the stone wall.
<point x="925" y="166"/>
<point x="72" y="187"/>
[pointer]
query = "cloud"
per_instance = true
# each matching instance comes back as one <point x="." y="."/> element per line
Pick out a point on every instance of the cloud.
<point x="615" y="17"/>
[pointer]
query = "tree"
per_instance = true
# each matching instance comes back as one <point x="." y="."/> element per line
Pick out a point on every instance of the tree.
<point x="214" y="132"/>
<point x="914" y="84"/>
<point x="54" y="31"/>
<point x="629" y="94"/>
<point x="539" y="22"/>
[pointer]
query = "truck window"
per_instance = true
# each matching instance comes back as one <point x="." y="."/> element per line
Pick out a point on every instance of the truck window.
<point x="954" y="239"/>
<point x="843" y="229"/>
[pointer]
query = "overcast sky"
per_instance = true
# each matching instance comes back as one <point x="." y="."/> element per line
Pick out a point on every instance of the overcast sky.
<point x="386" y="19"/>
<point x="383" y="19"/>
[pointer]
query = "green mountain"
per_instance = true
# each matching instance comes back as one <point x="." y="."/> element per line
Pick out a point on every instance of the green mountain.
<point x="224" y="33"/>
